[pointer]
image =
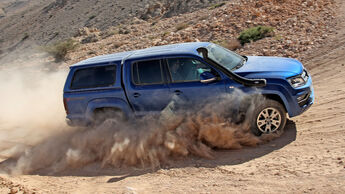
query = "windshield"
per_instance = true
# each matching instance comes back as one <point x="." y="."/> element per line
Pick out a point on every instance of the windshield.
<point x="225" y="57"/>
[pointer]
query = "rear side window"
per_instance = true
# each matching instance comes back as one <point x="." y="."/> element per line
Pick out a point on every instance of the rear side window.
<point x="147" y="72"/>
<point x="94" y="77"/>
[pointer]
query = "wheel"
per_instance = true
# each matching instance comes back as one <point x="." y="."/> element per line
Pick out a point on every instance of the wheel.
<point x="103" y="114"/>
<point x="269" y="117"/>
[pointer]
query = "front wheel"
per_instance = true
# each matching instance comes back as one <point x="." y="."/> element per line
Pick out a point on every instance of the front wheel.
<point x="269" y="117"/>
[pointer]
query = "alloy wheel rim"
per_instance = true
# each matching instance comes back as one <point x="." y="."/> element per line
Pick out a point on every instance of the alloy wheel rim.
<point x="269" y="120"/>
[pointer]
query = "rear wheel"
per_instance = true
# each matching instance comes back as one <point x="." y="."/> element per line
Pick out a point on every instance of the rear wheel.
<point x="269" y="117"/>
<point x="102" y="114"/>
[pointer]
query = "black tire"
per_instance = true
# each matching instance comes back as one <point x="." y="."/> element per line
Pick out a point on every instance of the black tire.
<point x="266" y="117"/>
<point x="101" y="115"/>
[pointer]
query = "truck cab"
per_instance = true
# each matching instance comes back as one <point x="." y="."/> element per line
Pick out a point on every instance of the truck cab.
<point x="141" y="82"/>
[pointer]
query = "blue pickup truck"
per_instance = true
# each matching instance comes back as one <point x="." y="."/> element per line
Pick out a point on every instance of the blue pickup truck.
<point x="141" y="82"/>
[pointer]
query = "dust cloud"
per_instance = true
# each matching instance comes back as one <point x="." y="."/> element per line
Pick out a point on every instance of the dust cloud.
<point x="34" y="136"/>
<point x="31" y="107"/>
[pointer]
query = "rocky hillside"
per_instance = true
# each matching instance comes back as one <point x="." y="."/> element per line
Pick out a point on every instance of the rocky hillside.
<point x="27" y="22"/>
<point x="300" y="27"/>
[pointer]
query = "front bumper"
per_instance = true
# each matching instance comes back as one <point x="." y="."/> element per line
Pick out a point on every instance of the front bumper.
<point x="308" y="101"/>
<point x="308" y="98"/>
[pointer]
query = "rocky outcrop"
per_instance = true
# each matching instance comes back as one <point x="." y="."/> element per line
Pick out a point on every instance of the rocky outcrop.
<point x="167" y="8"/>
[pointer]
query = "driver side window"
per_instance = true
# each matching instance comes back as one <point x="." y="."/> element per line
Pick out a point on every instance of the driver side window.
<point x="186" y="69"/>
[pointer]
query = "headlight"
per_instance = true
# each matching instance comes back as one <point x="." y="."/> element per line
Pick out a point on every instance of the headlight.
<point x="299" y="80"/>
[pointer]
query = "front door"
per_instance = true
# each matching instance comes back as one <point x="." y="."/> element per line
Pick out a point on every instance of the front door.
<point x="185" y="81"/>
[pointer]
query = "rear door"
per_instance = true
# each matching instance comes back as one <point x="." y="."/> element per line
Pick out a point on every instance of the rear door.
<point x="185" y="82"/>
<point x="147" y="87"/>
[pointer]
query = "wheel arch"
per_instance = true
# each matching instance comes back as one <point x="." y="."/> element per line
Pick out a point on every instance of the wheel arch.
<point x="107" y="103"/>
<point x="101" y="109"/>
<point x="277" y="98"/>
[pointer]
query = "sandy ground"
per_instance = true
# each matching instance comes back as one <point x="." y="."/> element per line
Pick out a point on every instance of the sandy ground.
<point x="309" y="157"/>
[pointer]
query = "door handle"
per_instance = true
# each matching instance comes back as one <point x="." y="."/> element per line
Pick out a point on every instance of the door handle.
<point x="136" y="95"/>
<point x="177" y="92"/>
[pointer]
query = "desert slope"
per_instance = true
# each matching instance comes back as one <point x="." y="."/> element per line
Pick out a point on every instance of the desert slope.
<point x="44" y="21"/>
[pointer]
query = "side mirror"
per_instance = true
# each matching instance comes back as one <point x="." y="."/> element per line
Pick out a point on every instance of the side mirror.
<point x="207" y="77"/>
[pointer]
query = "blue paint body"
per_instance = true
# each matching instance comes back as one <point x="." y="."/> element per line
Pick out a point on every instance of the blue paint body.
<point x="81" y="103"/>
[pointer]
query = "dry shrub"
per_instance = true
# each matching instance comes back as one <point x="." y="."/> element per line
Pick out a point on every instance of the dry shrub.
<point x="255" y="33"/>
<point x="181" y="26"/>
<point x="216" y="5"/>
<point x="117" y="44"/>
<point x="60" y="49"/>
<point x="232" y="44"/>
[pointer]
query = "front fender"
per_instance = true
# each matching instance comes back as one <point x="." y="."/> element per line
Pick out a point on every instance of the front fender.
<point x="107" y="103"/>
<point x="282" y="92"/>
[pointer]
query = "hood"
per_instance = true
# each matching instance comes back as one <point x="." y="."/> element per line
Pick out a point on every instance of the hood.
<point x="285" y="67"/>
